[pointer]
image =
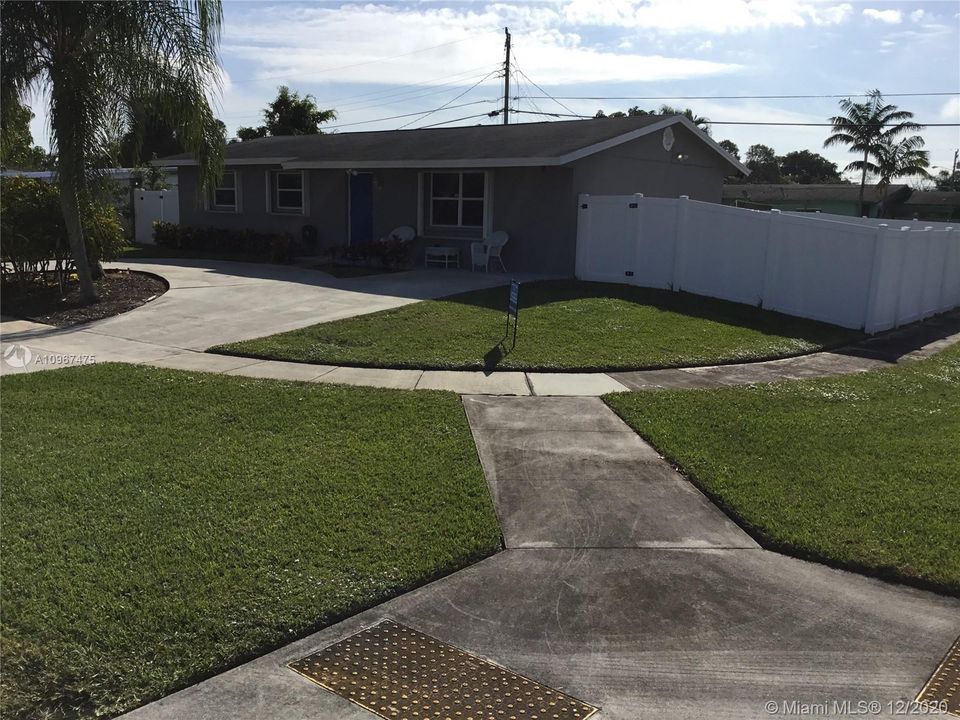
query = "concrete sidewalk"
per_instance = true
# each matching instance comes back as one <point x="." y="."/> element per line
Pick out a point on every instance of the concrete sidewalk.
<point x="625" y="589"/>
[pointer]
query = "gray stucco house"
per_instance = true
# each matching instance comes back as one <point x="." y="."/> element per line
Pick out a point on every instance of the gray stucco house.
<point x="456" y="185"/>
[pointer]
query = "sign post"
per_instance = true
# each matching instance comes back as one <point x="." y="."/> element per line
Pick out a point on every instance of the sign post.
<point x="513" y="307"/>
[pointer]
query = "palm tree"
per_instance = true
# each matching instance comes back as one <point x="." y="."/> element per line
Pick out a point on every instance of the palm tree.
<point x="903" y="158"/>
<point x="865" y="128"/>
<point x="92" y="60"/>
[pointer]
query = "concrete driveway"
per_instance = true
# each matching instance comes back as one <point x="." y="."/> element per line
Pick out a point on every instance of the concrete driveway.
<point x="213" y="302"/>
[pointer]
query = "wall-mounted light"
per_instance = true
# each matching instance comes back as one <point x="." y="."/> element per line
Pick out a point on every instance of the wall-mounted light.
<point x="682" y="156"/>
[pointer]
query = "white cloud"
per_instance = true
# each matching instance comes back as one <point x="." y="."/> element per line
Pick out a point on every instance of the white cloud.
<point x="917" y="15"/>
<point x="891" y="17"/>
<point x="951" y="110"/>
<point x="284" y="46"/>
<point x="703" y="16"/>
<point x="705" y="46"/>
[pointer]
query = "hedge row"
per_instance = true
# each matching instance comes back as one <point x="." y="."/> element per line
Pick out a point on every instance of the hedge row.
<point x="266" y="247"/>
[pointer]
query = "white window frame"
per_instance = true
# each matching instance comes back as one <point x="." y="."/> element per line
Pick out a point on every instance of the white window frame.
<point x="212" y="200"/>
<point x="460" y="198"/>
<point x="275" y="206"/>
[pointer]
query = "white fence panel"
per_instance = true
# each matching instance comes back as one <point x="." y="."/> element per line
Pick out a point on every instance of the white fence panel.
<point x="656" y="243"/>
<point x="820" y="272"/>
<point x="855" y="274"/>
<point x="609" y="227"/>
<point x="151" y="205"/>
<point x="912" y="277"/>
<point x="723" y="251"/>
<point x="950" y="295"/>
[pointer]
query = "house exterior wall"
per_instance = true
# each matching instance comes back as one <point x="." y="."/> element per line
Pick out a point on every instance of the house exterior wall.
<point x="326" y="206"/>
<point x="536" y="206"/>
<point x="643" y="166"/>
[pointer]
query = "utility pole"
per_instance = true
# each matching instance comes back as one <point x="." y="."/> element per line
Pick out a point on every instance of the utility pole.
<point x="506" y="79"/>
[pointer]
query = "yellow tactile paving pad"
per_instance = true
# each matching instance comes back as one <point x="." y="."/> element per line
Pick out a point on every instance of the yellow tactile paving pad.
<point x="943" y="688"/>
<point x="402" y="674"/>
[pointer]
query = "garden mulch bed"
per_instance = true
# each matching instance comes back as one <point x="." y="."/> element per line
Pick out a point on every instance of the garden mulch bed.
<point x="119" y="291"/>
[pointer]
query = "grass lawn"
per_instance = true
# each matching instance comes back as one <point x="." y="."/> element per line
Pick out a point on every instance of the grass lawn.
<point x="564" y="325"/>
<point x="160" y="526"/>
<point x="861" y="471"/>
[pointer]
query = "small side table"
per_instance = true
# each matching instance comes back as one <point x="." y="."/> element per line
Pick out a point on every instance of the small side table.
<point x="447" y="256"/>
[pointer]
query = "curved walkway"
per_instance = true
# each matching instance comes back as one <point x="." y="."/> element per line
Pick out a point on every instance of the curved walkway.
<point x="218" y="302"/>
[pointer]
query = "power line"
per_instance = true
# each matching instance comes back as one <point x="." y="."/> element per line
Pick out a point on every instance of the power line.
<point x="406" y="115"/>
<point x="546" y="96"/>
<point x="416" y="89"/>
<point x="755" y="122"/>
<point x="447" y="104"/>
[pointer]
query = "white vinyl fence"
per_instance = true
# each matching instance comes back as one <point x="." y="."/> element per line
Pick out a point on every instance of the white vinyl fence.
<point x="857" y="275"/>
<point x="151" y="205"/>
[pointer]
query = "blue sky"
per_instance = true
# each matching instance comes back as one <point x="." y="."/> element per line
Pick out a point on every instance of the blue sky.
<point x="336" y="52"/>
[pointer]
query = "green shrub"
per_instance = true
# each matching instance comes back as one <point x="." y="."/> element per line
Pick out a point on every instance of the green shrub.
<point x="35" y="240"/>
<point x="265" y="247"/>
<point x="391" y="252"/>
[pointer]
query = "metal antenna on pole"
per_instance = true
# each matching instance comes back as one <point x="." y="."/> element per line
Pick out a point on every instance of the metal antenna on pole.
<point x="506" y="79"/>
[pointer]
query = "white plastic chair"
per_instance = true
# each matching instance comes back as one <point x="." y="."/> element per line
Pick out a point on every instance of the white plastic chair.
<point x="482" y="253"/>
<point x="404" y="233"/>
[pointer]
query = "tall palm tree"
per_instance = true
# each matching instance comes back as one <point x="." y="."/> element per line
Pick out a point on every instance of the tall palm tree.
<point x="865" y="127"/>
<point x="92" y="60"/>
<point x="903" y="158"/>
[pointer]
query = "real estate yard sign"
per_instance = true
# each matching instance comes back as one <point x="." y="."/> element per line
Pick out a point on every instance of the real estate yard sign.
<point x="513" y="307"/>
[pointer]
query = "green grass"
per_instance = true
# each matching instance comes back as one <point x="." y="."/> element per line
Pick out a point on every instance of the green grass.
<point x="160" y="526"/>
<point x="563" y="325"/>
<point x="860" y="471"/>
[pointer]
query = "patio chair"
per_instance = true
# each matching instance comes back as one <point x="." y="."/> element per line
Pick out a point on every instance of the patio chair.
<point x="482" y="253"/>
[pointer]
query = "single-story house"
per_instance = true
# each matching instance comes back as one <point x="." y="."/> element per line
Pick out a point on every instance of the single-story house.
<point x="837" y="199"/>
<point x="456" y="185"/>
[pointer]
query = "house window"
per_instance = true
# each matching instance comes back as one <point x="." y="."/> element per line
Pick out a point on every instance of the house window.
<point x="288" y="192"/>
<point x="225" y="193"/>
<point x="456" y="199"/>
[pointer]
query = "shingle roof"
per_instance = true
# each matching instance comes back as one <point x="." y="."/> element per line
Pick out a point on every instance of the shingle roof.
<point x="480" y="143"/>
<point x="934" y="197"/>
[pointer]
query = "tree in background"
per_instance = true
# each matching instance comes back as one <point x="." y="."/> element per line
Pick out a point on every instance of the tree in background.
<point x="16" y="142"/>
<point x="289" y="114"/>
<point x="731" y="147"/>
<point x="866" y="128"/>
<point x="901" y="158"/>
<point x="763" y="164"/>
<point x="701" y="122"/>
<point x="947" y="181"/>
<point x="93" y="57"/>
<point x="808" y="168"/>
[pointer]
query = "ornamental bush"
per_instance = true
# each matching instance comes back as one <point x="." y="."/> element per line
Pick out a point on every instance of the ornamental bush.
<point x="264" y="247"/>
<point x="35" y="245"/>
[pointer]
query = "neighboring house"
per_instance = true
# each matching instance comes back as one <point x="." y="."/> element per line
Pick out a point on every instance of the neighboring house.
<point x="837" y="199"/>
<point x="456" y="185"/>
<point x="938" y="205"/>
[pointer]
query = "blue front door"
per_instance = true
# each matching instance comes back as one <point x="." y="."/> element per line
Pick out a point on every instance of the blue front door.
<point x="361" y="208"/>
